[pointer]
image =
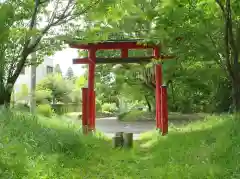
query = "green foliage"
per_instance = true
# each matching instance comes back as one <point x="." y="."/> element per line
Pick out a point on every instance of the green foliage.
<point x="61" y="109"/>
<point x="80" y="82"/>
<point x="23" y="95"/>
<point x="98" y="105"/>
<point x="29" y="27"/>
<point x="43" y="96"/>
<point x="201" y="70"/>
<point x="45" y="110"/>
<point x="59" y="87"/>
<point x="76" y="93"/>
<point x="56" y="89"/>
<point x="109" y="107"/>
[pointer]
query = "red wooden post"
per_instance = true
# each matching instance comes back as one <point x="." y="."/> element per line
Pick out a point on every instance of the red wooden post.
<point x="91" y="96"/>
<point x="94" y="110"/>
<point x="158" y="77"/>
<point x="164" y="110"/>
<point x="124" y="53"/>
<point x="158" y="73"/>
<point x="84" y="109"/>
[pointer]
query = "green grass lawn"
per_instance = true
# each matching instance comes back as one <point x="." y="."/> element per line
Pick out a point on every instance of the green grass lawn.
<point x="41" y="148"/>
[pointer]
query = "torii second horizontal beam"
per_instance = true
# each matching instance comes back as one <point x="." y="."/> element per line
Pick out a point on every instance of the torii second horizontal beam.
<point x="118" y="60"/>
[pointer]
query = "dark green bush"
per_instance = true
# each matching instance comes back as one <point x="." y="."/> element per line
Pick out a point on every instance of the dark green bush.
<point x="109" y="107"/>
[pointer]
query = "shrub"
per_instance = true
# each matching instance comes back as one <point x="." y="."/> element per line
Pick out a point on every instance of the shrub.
<point x="43" y="96"/>
<point x="59" y="87"/>
<point x="45" y="110"/>
<point x="109" y="107"/>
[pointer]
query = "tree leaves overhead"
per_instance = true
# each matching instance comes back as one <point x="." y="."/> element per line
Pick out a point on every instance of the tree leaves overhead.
<point x="34" y="26"/>
<point x="192" y="30"/>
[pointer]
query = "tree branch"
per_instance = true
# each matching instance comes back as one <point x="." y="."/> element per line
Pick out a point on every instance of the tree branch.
<point x="218" y="60"/>
<point x="62" y="18"/>
<point x="34" y="16"/>
<point x="221" y="6"/>
<point x="32" y="24"/>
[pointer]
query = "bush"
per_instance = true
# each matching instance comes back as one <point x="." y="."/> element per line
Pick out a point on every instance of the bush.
<point x="59" y="87"/>
<point x="43" y="96"/>
<point x="45" y="110"/>
<point x="109" y="107"/>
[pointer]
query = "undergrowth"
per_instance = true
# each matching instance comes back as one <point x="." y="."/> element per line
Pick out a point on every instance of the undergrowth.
<point x="34" y="147"/>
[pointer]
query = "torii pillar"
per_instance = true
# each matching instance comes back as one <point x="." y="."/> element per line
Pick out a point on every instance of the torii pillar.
<point x="91" y="93"/>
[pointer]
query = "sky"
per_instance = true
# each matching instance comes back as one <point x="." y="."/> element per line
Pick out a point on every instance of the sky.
<point x="64" y="59"/>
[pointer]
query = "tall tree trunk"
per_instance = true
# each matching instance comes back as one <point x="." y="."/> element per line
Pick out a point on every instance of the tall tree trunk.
<point x="148" y="103"/>
<point x="5" y="98"/>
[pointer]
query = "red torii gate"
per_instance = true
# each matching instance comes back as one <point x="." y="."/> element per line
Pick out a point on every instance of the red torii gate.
<point x="88" y="94"/>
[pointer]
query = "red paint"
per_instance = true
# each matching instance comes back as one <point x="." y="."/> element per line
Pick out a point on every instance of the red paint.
<point x="164" y="111"/>
<point x="112" y="45"/>
<point x="94" y="111"/>
<point x="91" y="74"/>
<point x="158" y="78"/>
<point x="91" y="111"/>
<point x="124" y="53"/>
<point x="158" y="74"/>
<point x="84" y="107"/>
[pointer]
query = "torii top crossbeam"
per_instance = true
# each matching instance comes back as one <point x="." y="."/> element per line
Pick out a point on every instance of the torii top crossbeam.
<point x="111" y="44"/>
<point x="123" y="45"/>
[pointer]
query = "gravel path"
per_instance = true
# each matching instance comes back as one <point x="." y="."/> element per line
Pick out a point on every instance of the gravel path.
<point x="109" y="126"/>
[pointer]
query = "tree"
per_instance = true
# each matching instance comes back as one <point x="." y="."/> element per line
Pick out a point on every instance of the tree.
<point x="57" y="69"/>
<point x="59" y="87"/>
<point x="19" y="36"/>
<point x="196" y="31"/>
<point x="69" y="73"/>
<point x="231" y="38"/>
